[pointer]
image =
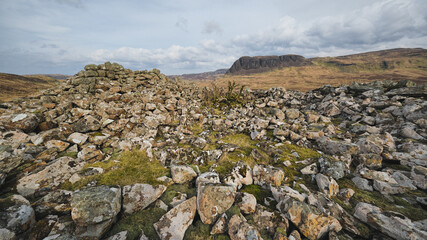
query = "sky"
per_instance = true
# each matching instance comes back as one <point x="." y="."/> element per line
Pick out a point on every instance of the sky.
<point x="190" y="36"/>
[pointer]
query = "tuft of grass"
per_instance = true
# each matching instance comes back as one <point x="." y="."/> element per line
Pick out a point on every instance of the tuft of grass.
<point x="240" y="139"/>
<point x="125" y="169"/>
<point x="197" y="128"/>
<point x="140" y="221"/>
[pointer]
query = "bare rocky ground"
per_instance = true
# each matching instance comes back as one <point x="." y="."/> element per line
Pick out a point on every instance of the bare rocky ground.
<point x="116" y="154"/>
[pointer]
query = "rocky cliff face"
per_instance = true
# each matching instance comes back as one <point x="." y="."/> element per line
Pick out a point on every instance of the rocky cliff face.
<point x="119" y="154"/>
<point x="245" y="65"/>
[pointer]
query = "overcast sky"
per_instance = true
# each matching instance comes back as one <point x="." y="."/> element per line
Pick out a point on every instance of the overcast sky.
<point x="185" y="36"/>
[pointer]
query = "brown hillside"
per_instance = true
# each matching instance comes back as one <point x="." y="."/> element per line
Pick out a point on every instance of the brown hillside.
<point x="394" y="64"/>
<point x="13" y="86"/>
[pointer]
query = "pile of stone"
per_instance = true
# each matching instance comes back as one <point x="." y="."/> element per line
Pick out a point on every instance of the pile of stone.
<point x="373" y="135"/>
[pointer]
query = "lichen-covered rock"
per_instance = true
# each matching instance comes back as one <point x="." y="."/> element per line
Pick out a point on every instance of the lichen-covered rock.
<point x="327" y="185"/>
<point x="207" y="177"/>
<point x="268" y="220"/>
<point x="173" y="224"/>
<point x="58" y="144"/>
<point x="220" y="226"/>
<point x="26" y="122"/>
<point x="94" y="209"/>
<point x="214" y="200"/>
<point x="138" y="196"/>
<point x="370" y="160"/>
<point x="247" y="203"/>
<point x="394" y="225"/>
<point x="267" y="175"/>
<point x="6" y="234"/>
<point x="336" y="147"/>
<point x="284" y="191"/>
<point x="182" y="174"/>
<point x="54" y="203"/>
<point x="51" y="176"/>
<point x="95" y="204"/>
<point x="78" y="138"/>
<point x="16" y="215"/>
<point x="239" y="229"/>
<point x="240" y="175"/>
<point x="371" y="144"/>
<point x="310" y="222"/>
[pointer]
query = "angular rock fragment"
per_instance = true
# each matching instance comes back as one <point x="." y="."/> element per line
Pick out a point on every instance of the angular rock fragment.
<point x="310" y="222"/>
<point x="327" y="185"/>
<point x="182" y="174"/>
<point x="138" y="196"/>
<point x="214" y="200"/>
<point x="239" y="229"/>
<point x="220" y="226"/>
<point x="267" y="175"/>
<point x="16" y="215"/>
<point x="174" y="223"/>
<point x="51" y="176"/>
<point x="94" y="209"/>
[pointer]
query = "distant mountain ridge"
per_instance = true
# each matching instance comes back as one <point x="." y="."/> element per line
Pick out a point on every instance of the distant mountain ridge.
<point x="247" y="65"/>
<point x="205" y="76"/>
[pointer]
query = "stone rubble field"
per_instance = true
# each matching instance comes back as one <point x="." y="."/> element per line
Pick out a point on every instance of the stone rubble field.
<point x="118" y="154"/>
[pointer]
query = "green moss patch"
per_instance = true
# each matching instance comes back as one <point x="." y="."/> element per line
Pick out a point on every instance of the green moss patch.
<point x="67" y="154"/>
<point x="128" y="168"/>
<point x="174" y="190"/>
<point x="260" y="194"/>
<point x="232" y="211"/>
<point x="141" y="220"/>
<point x="200" y="231"/>
<point x="303" y="153"/>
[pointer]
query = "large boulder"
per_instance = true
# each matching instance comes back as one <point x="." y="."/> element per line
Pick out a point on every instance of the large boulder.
<point x="138" y="196"/>
<point x="174" y="223"/>
<point x="26" y="122"/>
<point x="94" y="209"/>
<point x="267" y="176"/>
<point x="51" y="176"/>
<point x="392" y="224"/>
<point x="334" y="147"/>
<point x="16" y="215"/>
<point x="214" y="200"/>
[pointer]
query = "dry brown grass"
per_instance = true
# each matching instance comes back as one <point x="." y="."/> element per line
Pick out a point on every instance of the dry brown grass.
<point x="14" y="86"/>
<point x="335" y="71"/>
